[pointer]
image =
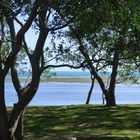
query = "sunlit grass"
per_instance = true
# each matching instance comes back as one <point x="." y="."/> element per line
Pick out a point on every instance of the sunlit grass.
<point x="86" y="122"/>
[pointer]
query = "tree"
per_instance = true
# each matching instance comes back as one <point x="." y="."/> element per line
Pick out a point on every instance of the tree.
<point x="6" y="129"/>
<point x="45" y="19"/>
<point x="104" y="27"/>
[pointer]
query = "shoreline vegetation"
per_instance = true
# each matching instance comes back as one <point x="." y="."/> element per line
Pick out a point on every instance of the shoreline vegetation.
<point x="83" y="122"/>
<point x="80" y="80"/>
<point x="74" y="80"/>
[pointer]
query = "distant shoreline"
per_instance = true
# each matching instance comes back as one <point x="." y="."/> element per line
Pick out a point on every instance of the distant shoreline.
<point x="65" y="76"/>
<point x="75" y="80"/>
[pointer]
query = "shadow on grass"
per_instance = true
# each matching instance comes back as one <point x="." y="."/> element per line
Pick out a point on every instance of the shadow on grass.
<point x="86" y="122"/>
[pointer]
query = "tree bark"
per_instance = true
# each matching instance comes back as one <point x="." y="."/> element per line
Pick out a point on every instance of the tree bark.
<point x="110" y="99"/>
<point x="20" y="36"/>
<point x="12" y="129"/>
<point x="111" y="90"/>
<point x="19" y="130"/>
<point x="4" y="129"/>
<point x="90" y="91"/>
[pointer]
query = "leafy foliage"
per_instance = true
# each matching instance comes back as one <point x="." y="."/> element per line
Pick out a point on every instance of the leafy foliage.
<point x="104" y="25"/>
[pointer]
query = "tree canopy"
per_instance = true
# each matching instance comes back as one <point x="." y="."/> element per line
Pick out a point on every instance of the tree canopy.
<point x="95" y="35"/>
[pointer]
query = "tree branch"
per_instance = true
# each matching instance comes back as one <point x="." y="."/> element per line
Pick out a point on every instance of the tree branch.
<point x="18" y="21"/>
<point x="62" y="26"/>
<point x="19" y="38"/>
<point x="62" y="65"/>
<point x="26" y="49"/>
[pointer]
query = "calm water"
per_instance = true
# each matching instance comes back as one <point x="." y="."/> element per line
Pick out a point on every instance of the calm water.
<point x="70" y="74"/>
<point x="74" y="93"/>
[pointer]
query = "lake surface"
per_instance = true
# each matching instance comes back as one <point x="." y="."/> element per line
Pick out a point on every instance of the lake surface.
<point x="70" y="74"/>
<point x="74" y="93"/>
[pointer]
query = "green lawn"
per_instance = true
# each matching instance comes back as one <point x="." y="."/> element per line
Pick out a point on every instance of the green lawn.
<point x="85" y="122"/>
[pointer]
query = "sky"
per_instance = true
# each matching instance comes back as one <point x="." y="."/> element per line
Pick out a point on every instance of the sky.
<point x="31" y="39"/>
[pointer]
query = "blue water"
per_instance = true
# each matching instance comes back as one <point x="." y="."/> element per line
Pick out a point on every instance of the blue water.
<point x="60" y="74"/>
<point x="74" y="93"/>
<point x="70" y="74"/>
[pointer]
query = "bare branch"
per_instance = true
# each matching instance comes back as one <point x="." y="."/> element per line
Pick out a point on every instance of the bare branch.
<point x="52" y="58"/>
<point x="26" y="49"/>
<point x="18" y="21"/>
<point x="63" y="65"/>
<point x="42" y="60"/>
<point x="24" y="41"/>
<point x="49" y="13"/>
<point x="62" y="26"/>
<point x="19" y="38"/>
<point x="105" y="65"/>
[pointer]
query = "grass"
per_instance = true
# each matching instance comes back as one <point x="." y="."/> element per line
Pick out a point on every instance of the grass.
<point x="77" y="80"/>
<point x="74" y="80"/>
<point x="85" y="122"/>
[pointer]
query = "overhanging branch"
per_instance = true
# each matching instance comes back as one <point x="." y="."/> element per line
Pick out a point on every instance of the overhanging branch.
<point x="62" y="26"/>
<point x="63" y="65"/>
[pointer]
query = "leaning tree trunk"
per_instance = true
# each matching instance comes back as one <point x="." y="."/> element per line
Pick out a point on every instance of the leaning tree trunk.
<point x="90" y="91"/>
<point x="19" y="129"/>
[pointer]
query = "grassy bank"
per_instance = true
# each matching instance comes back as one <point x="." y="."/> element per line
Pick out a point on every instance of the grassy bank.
<point x="85" y="122"/>
<point x="79" y="80"/>
<point x="74" y="80"/>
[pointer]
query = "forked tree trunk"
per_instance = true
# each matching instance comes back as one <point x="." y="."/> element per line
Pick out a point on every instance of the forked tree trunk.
<point x="12" y="129"/>
<point x="111" y="90"/>
<point x="5" y="133"/>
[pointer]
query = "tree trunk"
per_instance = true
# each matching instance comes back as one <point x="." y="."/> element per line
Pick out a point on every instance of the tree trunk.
<point x="110" y="99"/>
<point x="4" y="129"/>
<point x="103" y="98"/>
<point x="19" y="130"/>
<point x="90" y="91"/>
<point x="91" y="66"/>
<point x="111" y="90"/>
